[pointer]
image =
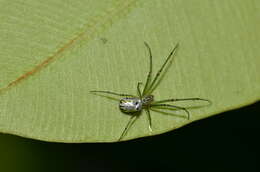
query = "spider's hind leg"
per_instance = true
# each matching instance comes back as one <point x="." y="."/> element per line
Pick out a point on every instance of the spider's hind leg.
<point x="113" y="93"/>
<point x="128" y="125"/>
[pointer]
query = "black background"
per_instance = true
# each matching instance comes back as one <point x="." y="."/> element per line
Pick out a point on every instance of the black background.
<point x="225" y="142"/>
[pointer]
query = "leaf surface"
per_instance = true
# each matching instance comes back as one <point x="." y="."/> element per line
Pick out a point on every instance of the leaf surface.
<point x="53" y="53"/>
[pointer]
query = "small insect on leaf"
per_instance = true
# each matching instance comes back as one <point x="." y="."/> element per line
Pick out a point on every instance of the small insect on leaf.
<point x="134" y="105"/>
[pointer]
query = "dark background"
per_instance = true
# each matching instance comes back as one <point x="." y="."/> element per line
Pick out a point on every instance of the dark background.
<point x="226" y="142"/>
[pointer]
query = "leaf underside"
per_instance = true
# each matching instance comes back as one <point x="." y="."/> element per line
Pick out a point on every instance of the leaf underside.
<point x="53" y="53"/>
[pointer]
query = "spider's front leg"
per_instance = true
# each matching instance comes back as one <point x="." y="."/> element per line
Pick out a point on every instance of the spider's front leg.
<point x="139" y="90"/>
<point x="152" y="86"/>
<point x="172" y="106"/>
<point x="149" y="119"/>
<point x="148" y="79"/>
<point x="184" y="99"/>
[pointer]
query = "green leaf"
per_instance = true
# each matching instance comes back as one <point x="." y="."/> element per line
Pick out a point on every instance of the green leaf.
<point x="54" y="53"/>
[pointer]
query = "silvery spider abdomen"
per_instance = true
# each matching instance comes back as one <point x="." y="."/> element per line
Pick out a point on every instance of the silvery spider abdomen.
<point x="134" y="104"/>
<point x="130" y="104"/>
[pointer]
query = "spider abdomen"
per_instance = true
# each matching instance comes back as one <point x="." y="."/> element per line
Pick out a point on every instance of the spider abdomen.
<point x="130" y="104"/>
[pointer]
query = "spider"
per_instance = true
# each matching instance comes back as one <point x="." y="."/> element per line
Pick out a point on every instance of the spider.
<point x="134" y="105"/>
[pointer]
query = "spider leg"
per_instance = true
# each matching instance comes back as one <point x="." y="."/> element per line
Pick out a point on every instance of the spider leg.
<point x="128" y="125"/>
<point x="113" y="93"/>
<point x="149" y="119"/>
<point x="174" y="100"/>
<point x="173" y="106"/>
<point x="150" y="89"/>
<point x="138" y="90"/>
<point x="148" y="79"/>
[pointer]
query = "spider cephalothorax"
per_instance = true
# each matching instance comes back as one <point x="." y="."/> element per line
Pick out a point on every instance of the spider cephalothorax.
<point x="133" y="105"/>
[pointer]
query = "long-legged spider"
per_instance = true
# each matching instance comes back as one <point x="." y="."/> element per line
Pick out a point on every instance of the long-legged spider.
<point x="133" y="105"/>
